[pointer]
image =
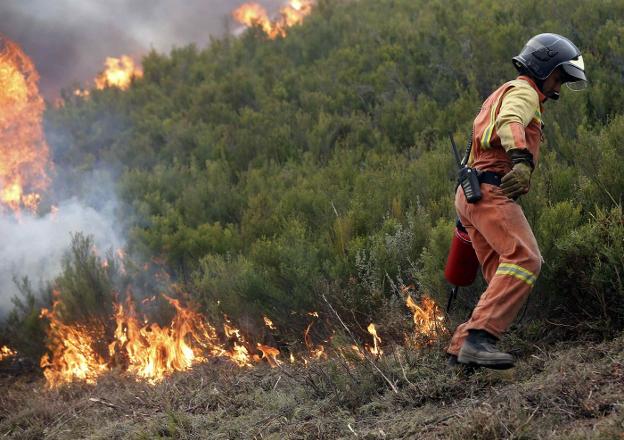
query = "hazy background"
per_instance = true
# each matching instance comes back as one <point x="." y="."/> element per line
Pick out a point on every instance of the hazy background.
<point x="69" y="39"/>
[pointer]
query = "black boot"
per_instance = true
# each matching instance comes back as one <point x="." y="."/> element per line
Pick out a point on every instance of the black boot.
<point x="453" y="363"/>
<point x="479" y="349"/>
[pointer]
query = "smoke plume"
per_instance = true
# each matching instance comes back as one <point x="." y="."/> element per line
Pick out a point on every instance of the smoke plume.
<point x="34" y="246"/>
<point x="69" y="39"/>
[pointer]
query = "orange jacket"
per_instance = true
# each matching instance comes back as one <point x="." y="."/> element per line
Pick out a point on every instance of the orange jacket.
<point x="511" y="117"/>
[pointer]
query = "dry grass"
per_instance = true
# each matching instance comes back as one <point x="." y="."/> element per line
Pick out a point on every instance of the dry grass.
<point x="571" y="393"/>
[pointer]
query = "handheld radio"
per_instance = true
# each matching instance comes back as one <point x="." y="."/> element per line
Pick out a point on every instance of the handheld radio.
<point x="466" y="177"/>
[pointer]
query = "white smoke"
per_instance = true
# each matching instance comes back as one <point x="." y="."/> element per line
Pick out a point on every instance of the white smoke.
<point x="34" y="246"/>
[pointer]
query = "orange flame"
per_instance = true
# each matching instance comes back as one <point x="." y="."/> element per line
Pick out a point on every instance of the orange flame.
<point x="147" y="351"/>
<point x="357" y="351"/>
<point x="269" y="323"/>
<point x="6" y="352"/>
<point x="119" y="72"/>
<point x="375" y="350"/>
<point x="73" y="356"/>
<point x="82" y="93"/>
<point x="153" y="351"/>
<point x="270" y="354"/>
<point x="250" y="14"/>
<point x="238" y="353"/>
<point x="428" y="318"/>
<point x="316" y="351"/>
<point x="23" y="149"/>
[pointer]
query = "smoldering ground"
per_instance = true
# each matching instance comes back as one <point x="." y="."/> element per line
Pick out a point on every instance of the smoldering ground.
<point x="69" y="40"/>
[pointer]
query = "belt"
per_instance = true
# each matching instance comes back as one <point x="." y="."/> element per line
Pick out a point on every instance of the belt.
<point x="489" y="177"/>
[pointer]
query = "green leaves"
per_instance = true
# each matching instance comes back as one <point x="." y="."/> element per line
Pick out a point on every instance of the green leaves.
<point x="322" y="157"/>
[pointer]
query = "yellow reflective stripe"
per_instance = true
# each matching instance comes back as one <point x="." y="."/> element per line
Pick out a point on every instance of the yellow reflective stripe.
<point x="517" y="271"/>
<point x="515" y="274"/>
<point x="487" y="134"/>
<point x="520" y="268"/>
<point x="538" y="116"/>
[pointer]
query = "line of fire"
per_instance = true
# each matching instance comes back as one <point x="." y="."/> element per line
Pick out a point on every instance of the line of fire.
<point x="130" y="342"/>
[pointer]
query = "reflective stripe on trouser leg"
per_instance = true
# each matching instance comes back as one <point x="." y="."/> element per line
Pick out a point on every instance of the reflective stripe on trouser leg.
<point x="517" y="271"/>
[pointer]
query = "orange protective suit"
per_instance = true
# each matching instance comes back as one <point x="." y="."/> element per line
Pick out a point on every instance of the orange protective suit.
<point x="510" y="118"/>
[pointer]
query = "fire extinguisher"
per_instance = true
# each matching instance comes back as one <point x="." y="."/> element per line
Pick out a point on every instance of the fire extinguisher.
<point x="462" y="263"/>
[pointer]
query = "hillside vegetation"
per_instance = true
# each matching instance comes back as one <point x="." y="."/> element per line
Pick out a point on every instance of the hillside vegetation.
<point x="265" y="173"/>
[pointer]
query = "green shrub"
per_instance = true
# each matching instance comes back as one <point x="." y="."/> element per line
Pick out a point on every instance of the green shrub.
<point x="84" y="287"/>
<point x="23" y="330"/>
<point x="586" y="280"/>
<point x="259" y="169"/>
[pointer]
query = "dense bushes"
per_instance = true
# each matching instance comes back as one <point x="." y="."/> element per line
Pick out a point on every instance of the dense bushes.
<point x="262" y="169"/>
<point x="587" y="277"/>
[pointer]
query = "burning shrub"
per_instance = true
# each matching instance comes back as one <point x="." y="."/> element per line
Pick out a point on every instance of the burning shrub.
<point x="23" y="148"/>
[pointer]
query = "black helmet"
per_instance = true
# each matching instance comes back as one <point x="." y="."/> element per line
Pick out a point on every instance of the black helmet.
<point x="545" y="52"/>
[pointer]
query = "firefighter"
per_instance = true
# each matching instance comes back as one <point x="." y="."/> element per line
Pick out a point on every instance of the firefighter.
<point x="506" y="137"/>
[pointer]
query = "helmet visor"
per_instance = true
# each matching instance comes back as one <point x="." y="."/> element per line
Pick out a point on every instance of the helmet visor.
<point x="577" y="86"/>
<point x="574" y="71"/>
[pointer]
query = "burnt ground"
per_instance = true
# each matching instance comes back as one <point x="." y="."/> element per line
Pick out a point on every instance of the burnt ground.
<point x="567" y="392"/>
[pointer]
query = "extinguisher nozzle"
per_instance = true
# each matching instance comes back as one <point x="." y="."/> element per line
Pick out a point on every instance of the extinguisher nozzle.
<point x="452" y="296"/>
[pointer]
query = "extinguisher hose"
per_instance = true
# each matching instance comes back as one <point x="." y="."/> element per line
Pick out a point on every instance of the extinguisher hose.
<point x="451" y="298"/>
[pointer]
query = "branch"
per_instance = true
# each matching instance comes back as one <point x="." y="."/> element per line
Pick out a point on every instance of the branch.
<point x="394" y="388"/>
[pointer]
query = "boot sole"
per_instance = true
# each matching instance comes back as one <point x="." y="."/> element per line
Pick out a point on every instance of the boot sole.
<point x="455" y="365"/>
<point x="468" y="359"/>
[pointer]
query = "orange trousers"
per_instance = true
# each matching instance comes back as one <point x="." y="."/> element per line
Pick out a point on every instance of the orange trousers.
<point x="509" y="256"/>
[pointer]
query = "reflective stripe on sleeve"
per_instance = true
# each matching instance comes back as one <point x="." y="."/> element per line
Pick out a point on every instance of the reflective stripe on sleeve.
<point x="516" y="271"/>
<point x="487" y="134"/>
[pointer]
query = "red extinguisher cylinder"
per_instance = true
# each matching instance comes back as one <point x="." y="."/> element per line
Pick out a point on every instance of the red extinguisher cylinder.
<point x="462" y="263"/>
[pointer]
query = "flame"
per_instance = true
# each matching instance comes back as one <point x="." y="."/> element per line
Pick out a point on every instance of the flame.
<point x="238" y="353"/>
<point x="82" y="93"/>
<point x="375" y="350"/>
<point x="6" y="352"/>
<point x="316" y="351"/>
<point x="23" y="149"/>
<point x="150" y="352"/>
<point x="269" y="323"/>
<point x="270" y="354"/>
<point x="428" y="318"/>
<point x="143" y="349"/>
<point x="119" y="72"/>
<point x="292" y="13"/>
<point x="153" y="351"/>
<point x="73" y="356"/>
<point x="120" y="253"/>
<point x="357" y="351"/>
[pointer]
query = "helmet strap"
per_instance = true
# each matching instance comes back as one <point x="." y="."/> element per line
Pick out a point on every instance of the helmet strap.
<point x="540" y="85"/>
